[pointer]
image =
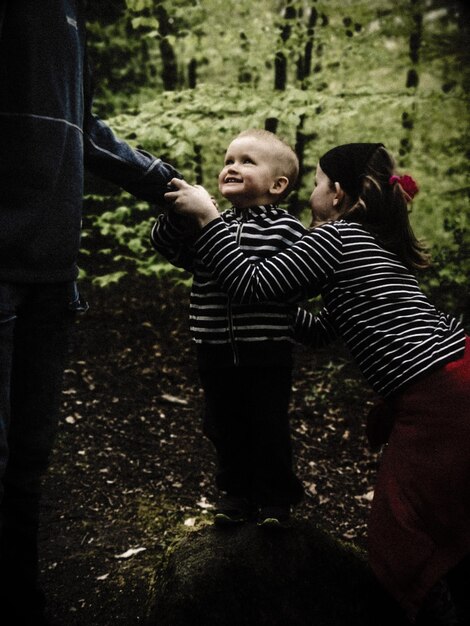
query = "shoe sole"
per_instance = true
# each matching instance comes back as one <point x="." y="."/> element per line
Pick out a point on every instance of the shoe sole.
<point x="221" y="519"/>
<point x="273" y="522"/>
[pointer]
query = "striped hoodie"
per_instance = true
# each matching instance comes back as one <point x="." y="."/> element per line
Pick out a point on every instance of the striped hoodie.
<point x="235" y="330"/>
<point x="371" y="299"/>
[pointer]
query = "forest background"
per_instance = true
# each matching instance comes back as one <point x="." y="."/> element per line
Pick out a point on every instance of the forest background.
<point x="131" y="471"/>
<point x="183" y="78"/>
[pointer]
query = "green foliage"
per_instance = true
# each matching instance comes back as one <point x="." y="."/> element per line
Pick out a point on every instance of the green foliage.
<point x="121" y="236"/>
<point x="352" y="87"/>
<point x="448" y="280"/>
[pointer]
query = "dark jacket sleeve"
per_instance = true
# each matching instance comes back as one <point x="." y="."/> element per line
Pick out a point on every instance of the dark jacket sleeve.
<point x="2" y="15"/>
<point x="108" y="157"/>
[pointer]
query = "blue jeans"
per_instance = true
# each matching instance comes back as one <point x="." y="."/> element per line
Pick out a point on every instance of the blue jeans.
<point x="35" y="325"/>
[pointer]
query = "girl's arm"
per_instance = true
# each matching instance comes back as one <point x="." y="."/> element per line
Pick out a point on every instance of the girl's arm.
<point x="313" y="330"/>
<point x="305" y="267"/>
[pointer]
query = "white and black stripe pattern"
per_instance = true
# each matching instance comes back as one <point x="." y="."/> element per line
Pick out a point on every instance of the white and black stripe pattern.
<point x="261" y="232"/>
<point x="371" y="300"/>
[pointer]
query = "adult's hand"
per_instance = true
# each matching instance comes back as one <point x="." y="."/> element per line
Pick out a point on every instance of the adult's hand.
<point x="193" y="201"/>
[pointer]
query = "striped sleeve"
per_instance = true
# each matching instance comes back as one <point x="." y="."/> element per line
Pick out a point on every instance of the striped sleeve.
<point x="305" y="266"/>
<point x="169" y="236"/>
<point x="314" y="330"/>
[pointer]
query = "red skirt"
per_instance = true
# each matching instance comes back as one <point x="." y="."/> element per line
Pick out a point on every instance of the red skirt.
<point x="419" y="527"/>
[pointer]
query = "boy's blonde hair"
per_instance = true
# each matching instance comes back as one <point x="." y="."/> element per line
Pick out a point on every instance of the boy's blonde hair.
<point x="286" y="160"/>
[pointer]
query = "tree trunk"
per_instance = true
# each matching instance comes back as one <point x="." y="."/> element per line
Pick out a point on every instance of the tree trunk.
<point x="170" y="66"/>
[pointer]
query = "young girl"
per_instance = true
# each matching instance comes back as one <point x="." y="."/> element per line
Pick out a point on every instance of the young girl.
<point x="361" y="258"/>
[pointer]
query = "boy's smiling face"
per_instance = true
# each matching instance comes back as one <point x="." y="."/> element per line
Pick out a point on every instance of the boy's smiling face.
<point x="249" y="176"/>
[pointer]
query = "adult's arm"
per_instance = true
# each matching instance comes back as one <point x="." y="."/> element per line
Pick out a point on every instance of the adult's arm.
<point x="135" y="170"/>
<point x="111" y="158"/>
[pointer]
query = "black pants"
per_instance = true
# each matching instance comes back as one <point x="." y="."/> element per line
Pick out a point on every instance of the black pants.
<point x="35" y="324"/>
<point x="246" y="418"/>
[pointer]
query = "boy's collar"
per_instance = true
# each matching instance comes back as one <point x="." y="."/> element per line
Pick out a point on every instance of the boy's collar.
<point x="257" y="209"/>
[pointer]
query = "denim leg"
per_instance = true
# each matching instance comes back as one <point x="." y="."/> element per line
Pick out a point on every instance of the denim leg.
<point x="7" y="324"/>
<point x="40" y="346"/>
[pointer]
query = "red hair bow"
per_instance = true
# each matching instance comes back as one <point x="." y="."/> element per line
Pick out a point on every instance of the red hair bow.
<point x="407" y="183"/>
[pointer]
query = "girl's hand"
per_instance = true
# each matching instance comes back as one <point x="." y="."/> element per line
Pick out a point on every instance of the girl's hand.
<point x="192" y="200"/>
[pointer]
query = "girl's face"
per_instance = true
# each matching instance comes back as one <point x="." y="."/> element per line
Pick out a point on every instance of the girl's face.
<point x="324" y="200"/>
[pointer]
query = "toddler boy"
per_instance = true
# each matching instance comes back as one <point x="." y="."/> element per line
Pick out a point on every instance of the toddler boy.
<point x="245" y="351"/>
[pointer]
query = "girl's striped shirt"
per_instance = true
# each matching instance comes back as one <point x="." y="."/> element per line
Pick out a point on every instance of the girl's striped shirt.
<point x="371" y="299"/>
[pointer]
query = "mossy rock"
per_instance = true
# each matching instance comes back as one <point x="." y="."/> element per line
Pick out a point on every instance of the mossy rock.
<point x="248" y="576"/>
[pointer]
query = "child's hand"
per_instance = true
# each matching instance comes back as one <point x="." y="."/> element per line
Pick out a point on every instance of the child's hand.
<point x="192" y="200"/>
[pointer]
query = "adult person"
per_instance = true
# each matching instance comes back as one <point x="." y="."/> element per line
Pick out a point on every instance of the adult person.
<point x="48" y="135"/>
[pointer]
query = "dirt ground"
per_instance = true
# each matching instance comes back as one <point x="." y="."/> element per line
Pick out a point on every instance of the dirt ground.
<point x="131" y="471"/>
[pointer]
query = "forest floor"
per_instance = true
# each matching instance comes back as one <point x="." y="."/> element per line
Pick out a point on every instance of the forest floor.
<point x="131" y="471"/>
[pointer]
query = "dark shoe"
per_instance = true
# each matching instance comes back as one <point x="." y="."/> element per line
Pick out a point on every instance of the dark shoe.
<point x="232" y="510"/>
<point x="274" y="516"/>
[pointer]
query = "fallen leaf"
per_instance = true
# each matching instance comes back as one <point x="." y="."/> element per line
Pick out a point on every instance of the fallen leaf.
<point x="204" y="504"/>
<point x="173" y="399"/>
<point x="369" y="496"/>
<point x="129" y="553"/>
<point x="350" y="534"/>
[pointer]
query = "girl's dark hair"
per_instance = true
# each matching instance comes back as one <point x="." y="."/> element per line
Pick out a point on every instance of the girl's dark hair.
<point x="382" y="209"/>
